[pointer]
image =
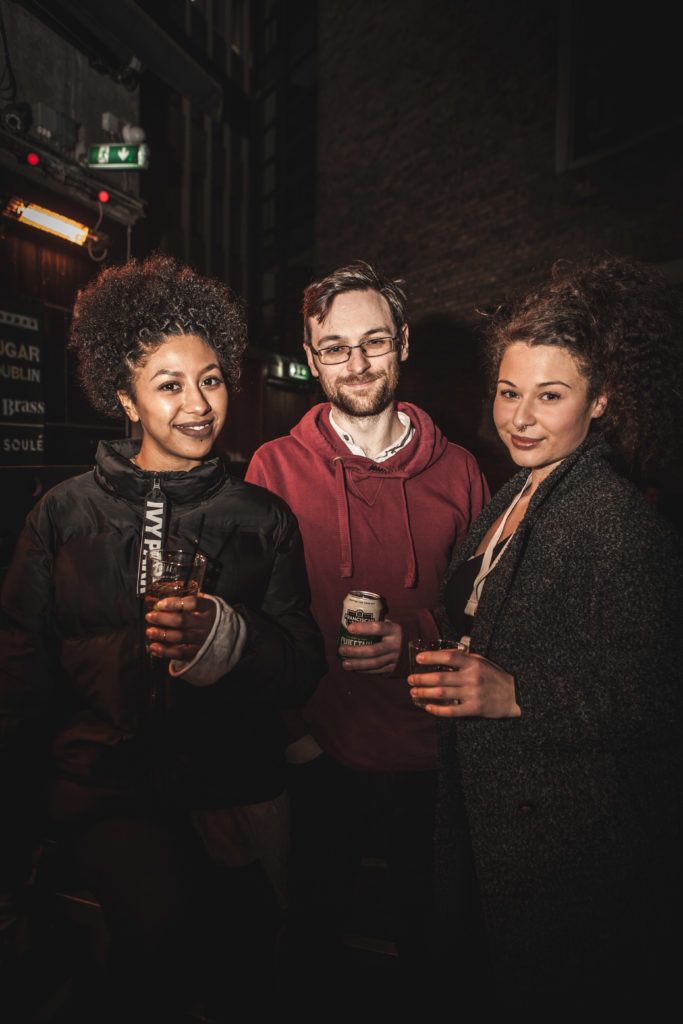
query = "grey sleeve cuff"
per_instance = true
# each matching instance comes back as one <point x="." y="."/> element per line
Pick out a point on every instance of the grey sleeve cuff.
<point x="221" y="650"/>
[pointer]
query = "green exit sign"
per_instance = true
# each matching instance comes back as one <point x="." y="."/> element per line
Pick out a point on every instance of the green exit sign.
<point x="299" y="371"/>
<point x="118" y="157"/>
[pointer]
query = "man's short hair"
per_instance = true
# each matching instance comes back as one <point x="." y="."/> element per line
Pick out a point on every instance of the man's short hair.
<point x="358" y="276"/>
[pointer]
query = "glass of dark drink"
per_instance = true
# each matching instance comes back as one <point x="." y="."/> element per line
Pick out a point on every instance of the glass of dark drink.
<point x="170" y="573"/>
<point x="416" y="647"/>
<point x="173" y="573"/>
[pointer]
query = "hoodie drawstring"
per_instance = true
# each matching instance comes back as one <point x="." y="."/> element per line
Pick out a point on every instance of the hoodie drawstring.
<point x="344" y="524"/>
<point x="410" y="578"/>
<point x="343" y="519"/>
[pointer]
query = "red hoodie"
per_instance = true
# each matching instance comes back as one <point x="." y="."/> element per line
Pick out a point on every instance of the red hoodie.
<point x="386" y="527"/>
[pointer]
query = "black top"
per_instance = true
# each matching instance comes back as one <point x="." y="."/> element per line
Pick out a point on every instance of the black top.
<point x="458" y="590"/>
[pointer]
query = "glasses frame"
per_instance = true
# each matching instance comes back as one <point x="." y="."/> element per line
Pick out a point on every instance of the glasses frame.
<point x="361" y="345"/>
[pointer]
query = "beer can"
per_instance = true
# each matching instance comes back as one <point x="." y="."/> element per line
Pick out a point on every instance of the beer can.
<point x="360" y="606"/>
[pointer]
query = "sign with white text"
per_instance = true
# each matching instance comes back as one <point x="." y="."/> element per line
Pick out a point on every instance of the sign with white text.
<point x="22" y="405"/>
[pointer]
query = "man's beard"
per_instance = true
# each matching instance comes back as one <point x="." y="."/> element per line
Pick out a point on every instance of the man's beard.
<point x="372" y="403"/>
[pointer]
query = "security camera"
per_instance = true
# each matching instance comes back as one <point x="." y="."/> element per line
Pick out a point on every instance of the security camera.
<point x="16" y="118"/>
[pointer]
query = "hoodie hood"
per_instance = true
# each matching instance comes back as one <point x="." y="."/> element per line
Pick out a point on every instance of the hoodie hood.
<point x="315" y="433"/>
<point x="364" y="478"/>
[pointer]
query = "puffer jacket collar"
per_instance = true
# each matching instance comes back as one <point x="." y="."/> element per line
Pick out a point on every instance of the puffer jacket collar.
<point x="116" y="474"/>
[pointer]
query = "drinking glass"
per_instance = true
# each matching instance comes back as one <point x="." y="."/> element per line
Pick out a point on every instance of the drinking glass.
<point x="170" y="573"/>
<point x="173" y="573"/>
<point x="416" y="647"/>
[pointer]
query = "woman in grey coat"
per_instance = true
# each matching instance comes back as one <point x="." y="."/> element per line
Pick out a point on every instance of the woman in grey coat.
<point x="559" y="822"/>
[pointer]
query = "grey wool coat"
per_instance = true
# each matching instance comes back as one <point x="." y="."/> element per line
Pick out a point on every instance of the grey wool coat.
<point x="574" y="809"/>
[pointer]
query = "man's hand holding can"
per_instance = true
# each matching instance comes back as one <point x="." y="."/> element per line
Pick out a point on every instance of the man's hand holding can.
<point x="380" y="657"/>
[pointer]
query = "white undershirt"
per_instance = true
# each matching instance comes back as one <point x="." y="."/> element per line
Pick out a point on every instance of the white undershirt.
<point x="395" y="446"/>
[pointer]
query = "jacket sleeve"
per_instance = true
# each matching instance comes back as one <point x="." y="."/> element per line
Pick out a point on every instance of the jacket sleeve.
<point x="28" y="658"/>
<point x="607" y="674"/>
<point x="637" y="609"/>
<point x="283" y="658"/>
<point x="28" y="673"/>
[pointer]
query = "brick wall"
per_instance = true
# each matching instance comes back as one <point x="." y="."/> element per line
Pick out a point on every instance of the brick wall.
<point x="436" y="156"/>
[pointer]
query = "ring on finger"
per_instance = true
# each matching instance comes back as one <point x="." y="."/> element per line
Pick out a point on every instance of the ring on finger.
<point x="163" y="636"/>
<point x="182" y="602"/>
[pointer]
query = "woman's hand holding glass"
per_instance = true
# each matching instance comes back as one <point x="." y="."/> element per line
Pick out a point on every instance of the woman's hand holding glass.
<point x="481" y="688"/>
<point x="178" y="627"/>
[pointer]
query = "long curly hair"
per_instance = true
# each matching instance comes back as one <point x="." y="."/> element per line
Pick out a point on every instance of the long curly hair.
<point x="621" y="322"/>
<point x="128" y="311"/>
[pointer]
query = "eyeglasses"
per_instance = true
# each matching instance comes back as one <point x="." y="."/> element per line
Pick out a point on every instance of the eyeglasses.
<point x="371" y="348"/>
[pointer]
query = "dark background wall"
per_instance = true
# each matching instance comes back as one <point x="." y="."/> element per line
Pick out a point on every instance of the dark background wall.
<point x="440" y="126"/>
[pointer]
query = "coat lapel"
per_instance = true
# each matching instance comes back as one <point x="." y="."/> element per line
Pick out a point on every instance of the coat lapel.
<point x="500" y="580"/>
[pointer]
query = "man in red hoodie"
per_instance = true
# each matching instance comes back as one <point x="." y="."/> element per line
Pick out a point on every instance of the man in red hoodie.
<point x="381" y="498"/>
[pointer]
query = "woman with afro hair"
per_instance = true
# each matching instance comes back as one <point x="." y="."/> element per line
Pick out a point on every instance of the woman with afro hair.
<point x="152" y="743"/>
<point x="559" y="817"/>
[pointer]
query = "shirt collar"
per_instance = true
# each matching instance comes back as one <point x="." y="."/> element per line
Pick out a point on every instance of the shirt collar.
<point x="405" y="438"/>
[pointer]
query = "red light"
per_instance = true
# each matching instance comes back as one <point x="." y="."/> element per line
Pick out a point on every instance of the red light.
<point x="32" y="159"/>
<point x="103" y="196"/>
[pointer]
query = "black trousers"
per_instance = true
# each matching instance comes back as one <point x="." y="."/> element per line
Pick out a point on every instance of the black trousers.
<point x="339" y="816"/>
<point x="181" y="929"/>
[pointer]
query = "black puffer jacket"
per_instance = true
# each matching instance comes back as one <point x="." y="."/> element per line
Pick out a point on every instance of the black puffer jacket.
<point x="73" y="646"/>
